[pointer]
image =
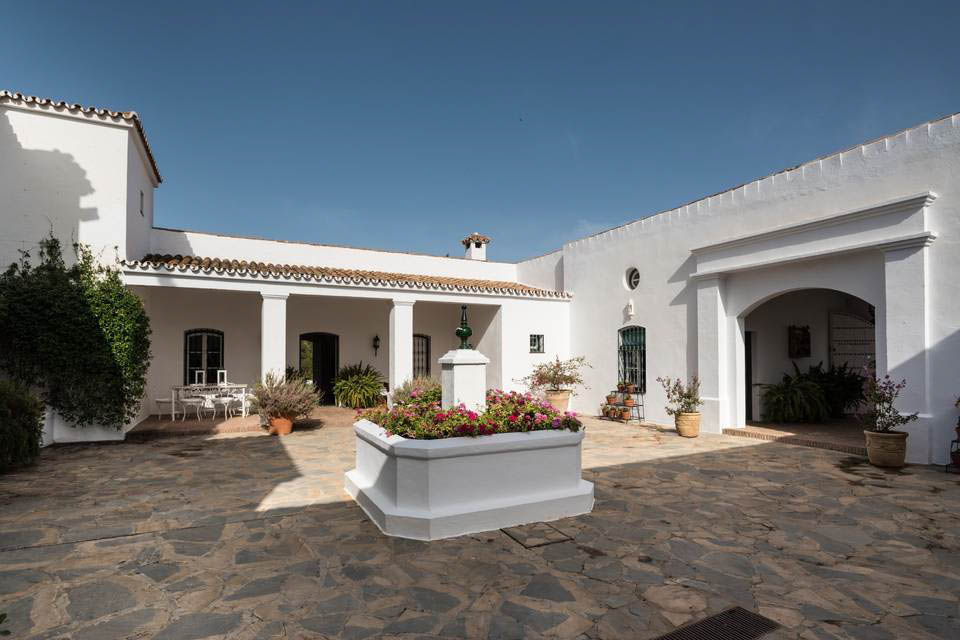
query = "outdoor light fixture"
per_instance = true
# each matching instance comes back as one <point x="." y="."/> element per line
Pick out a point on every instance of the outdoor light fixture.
<point x="376" y="344"/>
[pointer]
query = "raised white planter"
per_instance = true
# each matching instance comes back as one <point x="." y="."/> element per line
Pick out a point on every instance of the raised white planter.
<point x="431" y="489"/>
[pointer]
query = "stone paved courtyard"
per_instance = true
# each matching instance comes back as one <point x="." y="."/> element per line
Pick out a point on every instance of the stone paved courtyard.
<point x="253" y="537"/>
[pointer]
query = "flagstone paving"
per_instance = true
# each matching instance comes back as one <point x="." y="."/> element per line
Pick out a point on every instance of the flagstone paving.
<point x="253" y="537"/>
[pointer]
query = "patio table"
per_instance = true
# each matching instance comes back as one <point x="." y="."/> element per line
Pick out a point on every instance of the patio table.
<point x="209" y="392"/>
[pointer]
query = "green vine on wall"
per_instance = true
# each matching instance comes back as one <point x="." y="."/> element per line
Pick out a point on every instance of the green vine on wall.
<point x="76" y="335"/>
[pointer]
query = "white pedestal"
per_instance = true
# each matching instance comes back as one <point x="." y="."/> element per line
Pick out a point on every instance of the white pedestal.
<point x="463" y="375"/>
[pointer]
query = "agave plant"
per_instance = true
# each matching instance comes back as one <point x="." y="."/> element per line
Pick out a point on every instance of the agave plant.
<point x="358" y="386"/>
<point x="794" y="399"/>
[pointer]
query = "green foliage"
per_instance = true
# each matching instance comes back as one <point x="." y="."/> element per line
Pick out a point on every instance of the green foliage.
<point x="76" y="334"/>
<point x="3" y="620"/>
<point x="418" y="391"/>
<point x="290" y="398"/>
<point x="842" y="387"/>
<point x="358" y="386"/>
<point x="21" y="425"/>
<point x="881" y="395"/>
<point x="505" y="413"/>
<point x="557" y="374"/>
<point x="681" y="398"/>
<point x="794" y="399"/>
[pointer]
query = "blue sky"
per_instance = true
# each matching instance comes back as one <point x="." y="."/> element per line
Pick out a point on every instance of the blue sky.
<point x="407" y="125"/>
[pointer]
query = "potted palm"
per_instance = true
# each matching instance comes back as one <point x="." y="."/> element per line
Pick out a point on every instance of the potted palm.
<point x="280" y="401"/>
<point x="683" y="401"/>
<point x="886" y="447"/>
<point x="557" y="378"/>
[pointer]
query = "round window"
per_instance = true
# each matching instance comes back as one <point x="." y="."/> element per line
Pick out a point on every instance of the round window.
<point x="633" y="278"/>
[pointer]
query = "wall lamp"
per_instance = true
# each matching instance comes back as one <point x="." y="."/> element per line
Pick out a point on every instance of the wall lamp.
<point x="376" y="344"/>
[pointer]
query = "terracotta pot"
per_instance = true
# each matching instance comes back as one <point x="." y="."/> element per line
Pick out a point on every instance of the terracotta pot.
<point x="688" y="424"/>
<point x="612" y="399"/>
<point x="888" y="449"/>
<point x="630" y="388"/>
<point x="628" y="401"/>
<point x="558" y="399"/>
<point x="624" y="414"/>
<point x="280" y="426"/>
<point x="620" y="388"/>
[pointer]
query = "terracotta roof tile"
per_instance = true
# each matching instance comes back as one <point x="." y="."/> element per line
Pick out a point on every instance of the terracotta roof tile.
<point x="475" y="237"/>
<point x="337" y="275"/>
<point x="130" y="116"/>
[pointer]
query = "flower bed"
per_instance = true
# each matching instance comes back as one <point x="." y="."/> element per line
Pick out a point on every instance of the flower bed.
<point x="506" y="412"/>
<point x="426" y="473"/>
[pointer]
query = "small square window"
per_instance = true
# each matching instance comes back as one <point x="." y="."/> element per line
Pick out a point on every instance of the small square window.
<point x="536" y="343"/>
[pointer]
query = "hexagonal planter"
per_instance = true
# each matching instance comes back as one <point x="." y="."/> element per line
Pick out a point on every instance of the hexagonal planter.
<point x="432" y="489"/>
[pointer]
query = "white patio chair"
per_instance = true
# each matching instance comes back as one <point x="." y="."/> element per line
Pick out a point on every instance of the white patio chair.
<point x="198" y="403"/>
<point x="171" y="401"/>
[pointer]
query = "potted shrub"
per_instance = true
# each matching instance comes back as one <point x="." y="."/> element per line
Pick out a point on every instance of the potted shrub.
<point x="683" y="402"/>
<point x="625" y="413"/>
<point x="621" y="386"/>
<point x="279" y="402"/>
<point x="886" y="447"/>
<point x="556" y="379"/>
<point x="628" y="401"/>
<point x="612" y="398"/>
<point x="629" y="387"/>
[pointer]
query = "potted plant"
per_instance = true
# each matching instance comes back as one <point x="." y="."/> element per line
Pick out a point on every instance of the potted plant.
<point x="628" y="401"/>
<point x="612" y="398"/>
<point x="625" y="413"/>
<point x="279" y="402"/>
<point x="629" y="387"/>
<point x="556" y="379"/>
<point x="683" y="401"/>
<point x="357" y="386"/>
<point x="621" y="386"/>
<point x="886" y="447"/>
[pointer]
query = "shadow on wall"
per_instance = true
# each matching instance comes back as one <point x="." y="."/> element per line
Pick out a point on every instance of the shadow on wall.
<point x="688" y="297"/>
<point x="40" y="192"/>
<point x="943" y="389"/>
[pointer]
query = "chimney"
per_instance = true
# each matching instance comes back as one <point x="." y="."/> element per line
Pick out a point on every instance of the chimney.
<point x="476" y="246"/>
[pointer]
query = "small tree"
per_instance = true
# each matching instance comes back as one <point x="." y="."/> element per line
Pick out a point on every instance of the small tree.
<point x="75" y="334"/>
<point x="557" y="375"/>
<point x="883" y="417"/>
<point x="681" y="398"/>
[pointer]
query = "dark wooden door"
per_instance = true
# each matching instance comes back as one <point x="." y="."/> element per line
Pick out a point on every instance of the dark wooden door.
<point x="323" y="362"/>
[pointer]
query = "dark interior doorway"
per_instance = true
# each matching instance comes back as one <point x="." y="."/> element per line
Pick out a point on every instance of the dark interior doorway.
<point x="319" y="361"/>
<point x="748" y="372"/>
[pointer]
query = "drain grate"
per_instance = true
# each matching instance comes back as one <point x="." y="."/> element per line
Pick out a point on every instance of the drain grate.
<point x="732" y="624"/>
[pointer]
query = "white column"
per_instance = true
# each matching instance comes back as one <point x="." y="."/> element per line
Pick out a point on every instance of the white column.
<point x="903" y="334"/>
<point x="712" y="354"/>
<point x="273" y="334"/>
<point x="401" y="343"/>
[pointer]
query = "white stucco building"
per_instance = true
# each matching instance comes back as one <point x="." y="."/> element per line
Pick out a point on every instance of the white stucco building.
<point x="857" y="251"/>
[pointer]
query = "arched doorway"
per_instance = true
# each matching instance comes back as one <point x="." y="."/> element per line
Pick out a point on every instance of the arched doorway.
<point x="823" y="336"/>
<point x="319" y="361"/>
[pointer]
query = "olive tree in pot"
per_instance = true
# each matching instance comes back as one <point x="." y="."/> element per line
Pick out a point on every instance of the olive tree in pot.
<point x="683" y="401"/>
<point x="280" y="401"/>
<point x="556" y="379"/>
<point x="886" y="447"/>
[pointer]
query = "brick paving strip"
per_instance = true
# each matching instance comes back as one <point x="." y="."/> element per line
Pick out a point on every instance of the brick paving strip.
<point x="253" y="537"/>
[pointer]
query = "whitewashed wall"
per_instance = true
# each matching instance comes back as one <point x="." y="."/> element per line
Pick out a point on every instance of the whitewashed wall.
<point x="72" y="174"/>
<point x="212" y="245"/>
<point x="920" y="159"/>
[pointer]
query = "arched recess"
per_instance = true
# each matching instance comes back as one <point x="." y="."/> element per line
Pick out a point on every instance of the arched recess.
<point x="804" y="328"/>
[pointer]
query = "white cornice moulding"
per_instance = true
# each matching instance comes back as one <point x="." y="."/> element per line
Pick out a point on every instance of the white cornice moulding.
<point x="908" y="203"/>
<point x="915" y="240"/>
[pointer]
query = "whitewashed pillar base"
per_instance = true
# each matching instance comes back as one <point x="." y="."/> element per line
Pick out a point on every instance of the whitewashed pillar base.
<point x="463" y="376"/>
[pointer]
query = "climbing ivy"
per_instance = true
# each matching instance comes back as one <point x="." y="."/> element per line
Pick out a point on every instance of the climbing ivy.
<point x="76" y="335"/>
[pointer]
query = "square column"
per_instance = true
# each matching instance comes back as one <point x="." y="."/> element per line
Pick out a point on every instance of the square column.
<point x="401" y="343"/>
<point x="273" y="334"/>
<point x="903" y="330"/>
<point x="712" y="354"/>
